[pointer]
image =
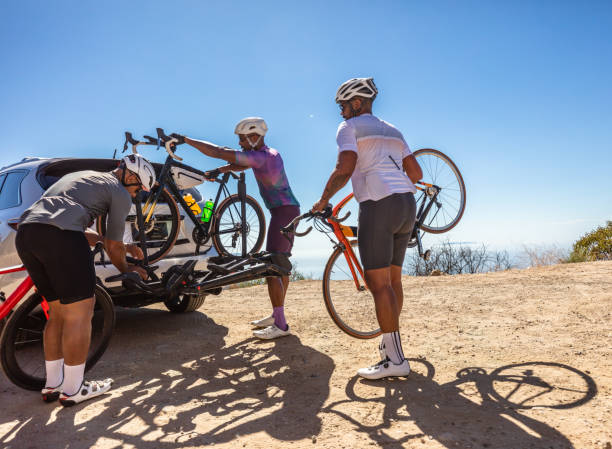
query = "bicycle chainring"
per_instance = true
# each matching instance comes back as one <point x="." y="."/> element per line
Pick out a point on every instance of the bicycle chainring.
<point x="199" y="236"/>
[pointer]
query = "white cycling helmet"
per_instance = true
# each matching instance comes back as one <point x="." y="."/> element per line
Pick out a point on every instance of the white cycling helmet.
<point x="142" y="168"/>
<point x="356" y="87"/>
<point x="251" y="125"/>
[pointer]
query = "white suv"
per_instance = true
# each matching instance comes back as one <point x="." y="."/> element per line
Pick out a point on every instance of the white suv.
<point x="24" y="182"/>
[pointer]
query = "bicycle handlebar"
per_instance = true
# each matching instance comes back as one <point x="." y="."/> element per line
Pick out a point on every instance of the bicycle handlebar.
<point x="324" y="216"/>
<point x="168" y="142"/>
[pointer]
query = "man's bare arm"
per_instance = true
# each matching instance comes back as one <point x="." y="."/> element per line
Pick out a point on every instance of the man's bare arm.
<point x="338" y="179"/>
<point x="116" y="252"/>
<point x="232" y="167"/>
<point x="212" y="150"/>
<point x="93" y="237"/>
<point x="412" y="168"/>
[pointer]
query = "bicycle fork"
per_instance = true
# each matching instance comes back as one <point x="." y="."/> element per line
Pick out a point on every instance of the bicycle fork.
<point x="431" y="192"/>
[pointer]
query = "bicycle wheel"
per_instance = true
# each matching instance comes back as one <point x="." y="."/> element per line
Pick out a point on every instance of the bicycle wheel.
<point x="227" y="234"/>
<point x="21" y="342"/>
<point x="161" y="228"/>
<point x="447" y="210"/>
<point x="541" y="385"/>
<point x="351" y="308"/>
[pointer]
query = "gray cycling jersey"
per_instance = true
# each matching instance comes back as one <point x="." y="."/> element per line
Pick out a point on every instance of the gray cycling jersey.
<point x="74" y="202"/>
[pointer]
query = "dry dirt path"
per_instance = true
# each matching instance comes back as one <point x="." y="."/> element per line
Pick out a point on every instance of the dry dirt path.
<point x="516" y="359"/>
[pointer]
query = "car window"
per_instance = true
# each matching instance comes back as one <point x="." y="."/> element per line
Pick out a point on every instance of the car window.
<point x="10" y="192"/>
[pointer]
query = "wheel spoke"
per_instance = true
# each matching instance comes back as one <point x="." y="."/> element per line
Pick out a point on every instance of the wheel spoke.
<point x="440" y="172"/>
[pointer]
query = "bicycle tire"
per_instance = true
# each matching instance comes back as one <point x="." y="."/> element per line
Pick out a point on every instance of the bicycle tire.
<point x="23" y="360"/>
<point x="160" y="234"/>
<point x="352" y="310"/>
<point x="185" y="303"/>
<point x="440" y="170"/>
<point x="569" y="386"/>
<point x="227" y="218"/>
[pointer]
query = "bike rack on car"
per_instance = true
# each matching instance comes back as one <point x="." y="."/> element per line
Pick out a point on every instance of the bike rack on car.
<point x="221" y="271"/>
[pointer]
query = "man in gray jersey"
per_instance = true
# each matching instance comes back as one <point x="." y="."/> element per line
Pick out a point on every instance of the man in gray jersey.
<point x="374" y="154"/>
<point x="53" y="242"/>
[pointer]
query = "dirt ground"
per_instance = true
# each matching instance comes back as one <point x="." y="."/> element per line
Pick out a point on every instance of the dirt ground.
<point x="516" y="359"/>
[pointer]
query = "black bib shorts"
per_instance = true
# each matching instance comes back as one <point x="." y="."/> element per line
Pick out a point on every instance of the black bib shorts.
<point x="385" y="227"/>
<point x="59" y="262"/>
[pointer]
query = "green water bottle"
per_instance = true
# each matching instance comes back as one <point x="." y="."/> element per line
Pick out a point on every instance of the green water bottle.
<point x="207" y="211"/>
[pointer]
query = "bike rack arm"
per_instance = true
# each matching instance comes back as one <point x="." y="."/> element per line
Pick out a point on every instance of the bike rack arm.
<point x="259" y="270"/>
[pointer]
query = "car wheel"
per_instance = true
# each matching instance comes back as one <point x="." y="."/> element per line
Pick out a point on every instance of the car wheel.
<point x="185" y="303"/>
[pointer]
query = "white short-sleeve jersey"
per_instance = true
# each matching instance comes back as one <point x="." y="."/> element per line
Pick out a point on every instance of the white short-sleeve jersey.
<point x="380" y="149"/>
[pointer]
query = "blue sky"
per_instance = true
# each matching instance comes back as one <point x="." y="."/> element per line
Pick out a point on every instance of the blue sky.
<point x="518" y="93"/>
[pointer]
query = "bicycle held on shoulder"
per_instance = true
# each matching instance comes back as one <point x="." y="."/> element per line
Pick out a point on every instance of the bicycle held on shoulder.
<point x="236" y="225"/>
<point x="440" y="201"/>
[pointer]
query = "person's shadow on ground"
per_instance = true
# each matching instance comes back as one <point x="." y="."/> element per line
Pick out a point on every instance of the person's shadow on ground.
<point x="166" y="389"/>
<point x="476" y="410"/>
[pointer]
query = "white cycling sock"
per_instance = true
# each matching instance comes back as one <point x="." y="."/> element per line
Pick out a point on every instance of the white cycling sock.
<point x="73" y="378"/>
<point x="392" y="345"/>
<point x="55" y="373"/>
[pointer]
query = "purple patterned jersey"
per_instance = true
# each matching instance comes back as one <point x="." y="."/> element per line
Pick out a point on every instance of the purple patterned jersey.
<point x="269" y="171"/>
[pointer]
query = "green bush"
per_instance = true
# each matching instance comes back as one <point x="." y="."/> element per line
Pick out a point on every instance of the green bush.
<point x="595" y="245"/>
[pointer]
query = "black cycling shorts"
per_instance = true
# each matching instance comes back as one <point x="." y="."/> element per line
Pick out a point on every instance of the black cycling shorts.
<point x="59" y="262"/>
<point x="385" y="227"/>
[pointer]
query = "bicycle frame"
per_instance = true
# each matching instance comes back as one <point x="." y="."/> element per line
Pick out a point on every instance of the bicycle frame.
<point x="165" y="180"/>
<point x="22" y="289"/>
<point x="341" y="231"/>
<point x="430" y="191"/>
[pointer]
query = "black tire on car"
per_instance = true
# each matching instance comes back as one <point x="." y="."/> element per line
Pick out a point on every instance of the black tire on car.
<point x="185" y="303"/>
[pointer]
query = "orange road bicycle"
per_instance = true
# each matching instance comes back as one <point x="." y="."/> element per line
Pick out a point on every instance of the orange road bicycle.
<point x="440" y="201"/>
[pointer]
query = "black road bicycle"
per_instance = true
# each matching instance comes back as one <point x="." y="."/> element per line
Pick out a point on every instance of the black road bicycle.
<point x="237" y="224"/>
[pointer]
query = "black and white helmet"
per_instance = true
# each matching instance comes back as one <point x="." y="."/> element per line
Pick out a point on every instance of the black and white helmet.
<point x="356" y="87"/>
<point x="141" y="167"/>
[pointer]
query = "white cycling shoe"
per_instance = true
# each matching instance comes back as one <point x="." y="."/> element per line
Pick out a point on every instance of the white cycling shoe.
<point x="51" y="394"/>
<point x="271" y="332"/>
<point x="89" y="390"/>
<point x="385" y="368"/>
<point x="264" y="322"/>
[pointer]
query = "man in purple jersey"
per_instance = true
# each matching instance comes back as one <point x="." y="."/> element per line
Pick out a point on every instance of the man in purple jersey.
<point x="274" y="188"/>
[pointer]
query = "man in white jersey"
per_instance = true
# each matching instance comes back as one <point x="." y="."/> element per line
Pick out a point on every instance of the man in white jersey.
<point x="374" y="154"/>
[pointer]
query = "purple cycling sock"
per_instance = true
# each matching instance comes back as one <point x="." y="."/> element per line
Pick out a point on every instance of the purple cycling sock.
<point x="279" y="318"/>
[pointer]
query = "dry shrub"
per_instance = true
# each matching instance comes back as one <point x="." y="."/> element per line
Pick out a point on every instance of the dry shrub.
<point x="539" y="256"/>
<point x="449" y="258"/>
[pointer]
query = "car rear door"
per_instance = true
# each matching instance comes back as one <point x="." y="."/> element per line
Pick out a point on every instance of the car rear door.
<point x="11" y="207"/>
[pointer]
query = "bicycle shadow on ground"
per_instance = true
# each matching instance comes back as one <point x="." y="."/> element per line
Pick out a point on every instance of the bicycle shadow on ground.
<point x="172" y="392"/>
<point x="479" y="409"/>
